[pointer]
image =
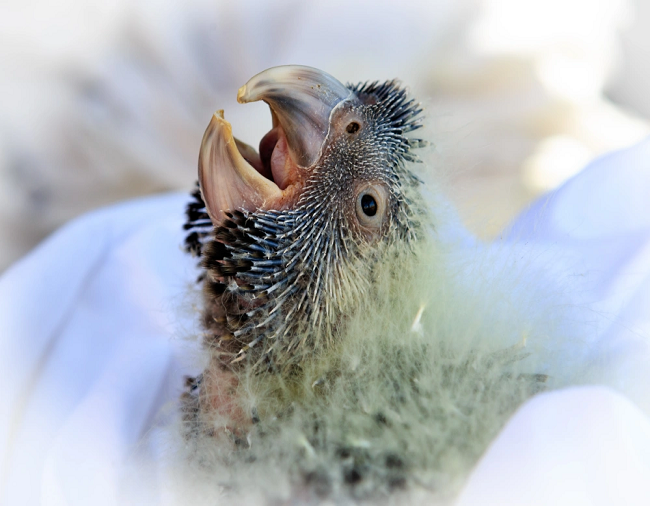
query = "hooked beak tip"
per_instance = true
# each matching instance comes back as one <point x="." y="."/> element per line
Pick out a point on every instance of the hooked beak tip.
<point x="241" y="94"/>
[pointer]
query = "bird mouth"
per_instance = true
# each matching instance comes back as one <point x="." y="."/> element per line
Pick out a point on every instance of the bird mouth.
<point x="235" y="176"/>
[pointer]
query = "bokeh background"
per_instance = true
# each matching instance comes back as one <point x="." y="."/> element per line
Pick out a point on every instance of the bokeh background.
<point x="105" y="101"/>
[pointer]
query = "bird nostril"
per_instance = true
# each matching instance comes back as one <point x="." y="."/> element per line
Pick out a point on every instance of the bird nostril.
<point x="352" y="127"/>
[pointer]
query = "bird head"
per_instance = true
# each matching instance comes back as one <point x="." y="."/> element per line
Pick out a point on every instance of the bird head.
<point x="299" y="225"/>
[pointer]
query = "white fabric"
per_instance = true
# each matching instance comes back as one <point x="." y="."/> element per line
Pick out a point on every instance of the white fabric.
<point x="580" y="446"/>
<point x="90" y="340"/>
<point x="93" y="346"/>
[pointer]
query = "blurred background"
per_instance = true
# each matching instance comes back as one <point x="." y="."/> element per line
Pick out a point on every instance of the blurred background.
<point x="105" y="101"/>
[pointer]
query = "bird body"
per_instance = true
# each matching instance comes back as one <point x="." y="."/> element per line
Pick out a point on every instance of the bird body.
<point x="352" y="354"/>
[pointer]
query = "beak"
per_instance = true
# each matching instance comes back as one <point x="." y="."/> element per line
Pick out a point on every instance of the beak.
<point x="233" y="176"/>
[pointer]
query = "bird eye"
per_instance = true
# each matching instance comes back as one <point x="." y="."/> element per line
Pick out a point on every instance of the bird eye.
<point x="368" y="205"/>
<point x="352" y="127"/>
<point x="371" y="206"/>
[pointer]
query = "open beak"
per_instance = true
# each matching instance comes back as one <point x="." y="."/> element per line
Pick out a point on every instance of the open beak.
<point x="233" y="176"/>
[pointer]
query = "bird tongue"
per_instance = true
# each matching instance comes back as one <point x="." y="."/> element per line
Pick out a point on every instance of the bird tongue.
<point x="277" y="163"/>
<point x="233" y="176"/>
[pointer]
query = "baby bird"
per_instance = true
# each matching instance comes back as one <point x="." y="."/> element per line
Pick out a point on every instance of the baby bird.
<point x="349" y="356"/>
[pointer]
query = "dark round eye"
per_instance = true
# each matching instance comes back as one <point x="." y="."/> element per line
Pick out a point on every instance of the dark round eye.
<point x="352" y="127"/>
<point x="368" y="205"/>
